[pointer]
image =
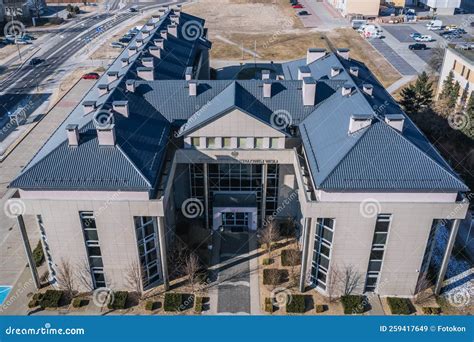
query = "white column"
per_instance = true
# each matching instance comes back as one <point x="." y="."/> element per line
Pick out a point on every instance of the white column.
<point x="163" y="254"/>
<point x="447" y="256"/>
<point x="304" y="256"/>
<point x="29" y="254"/>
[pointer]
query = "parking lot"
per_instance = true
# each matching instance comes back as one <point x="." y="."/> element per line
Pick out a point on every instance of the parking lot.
<point x="401" y="32"/>
<point x="393" y="57"/>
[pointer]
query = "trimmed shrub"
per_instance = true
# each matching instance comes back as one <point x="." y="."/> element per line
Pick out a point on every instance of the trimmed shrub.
<point x="33" y="303"/>
<point x="320" y="308"/>
<point x="274" y="276"/>
<point x="79" y="302"/>
<point x="353" y="304"/>
<point x="399" y="306"/>
<point x="267" y="261"/>
<point x="51" y="299"/>
<point x="119" y="300"/>
<point x="290" y="255"/>
<point x="150" y="305"/>
<point x="198" y="304"/>
<point x="37" y="296"/>
<point x="427" y="310"/>
<point x="178" y="301"/>
<point x="296" y="304"/>
<point x="38" y="254"/>
<point x="269" y="305"/>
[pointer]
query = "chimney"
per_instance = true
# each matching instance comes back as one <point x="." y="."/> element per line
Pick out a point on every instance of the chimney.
<point x="155" y="18"/>
<point x="164" y="34"/>
<point x="88" y="106"/>
<point x="162" y="11"/>
<point x="106" y="136"/>
<point x="344" y="53"/>
<point x="173" y="30"/>
<point x="124" y="62"/>
<point x="192" y="88"/>
<point x="145" y="33"/>
<point x="368" y="89"/>
<point x="188" y="73"/>
<point x="160" y="42"/>
<point x="112" y="76"/>
<point x="154" y="51"/>
<point x="303" y="71"/>
<point x="346" y="89"/>
<point x="313" y="54"/>
<point x="72" y="134"/>
<point x="139" y="42"/>
<point x="359" y="121"/>
<point x="174" y="19"/>
<point x="265" y="74"/>
<point x="150" y="25"/>
<point x="354" y="71"/>
<point x="335" y="70"/>
<point x="145" y="73"/>
<point x="121" y="107"/>
<point x="130" y="84"/>
<point x="132" y="50"/>
<point x="148" y="62"/>
<point x="396" y="121"/>
<point x="267" y="88"/>
<point x="309" y="91"/>
<point x="103" y="89"/>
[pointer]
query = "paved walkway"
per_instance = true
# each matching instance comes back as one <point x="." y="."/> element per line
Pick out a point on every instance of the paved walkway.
<point x="322" y="15"/>
<point x="376" y="305"/>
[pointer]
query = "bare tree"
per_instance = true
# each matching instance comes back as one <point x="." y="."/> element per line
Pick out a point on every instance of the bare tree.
<point x="350" y="279"/>
<point x="177" y="259"/>
<point x="84" y="275"/>
<point x="294" y="259"/>
<point x="134" y="276"/>
<point x="437" y="57"/>
<point x="332" y="280"/>
<point x="191" y="269"/>
<point x="66" y="277"/>
<point x="269" y="234"/>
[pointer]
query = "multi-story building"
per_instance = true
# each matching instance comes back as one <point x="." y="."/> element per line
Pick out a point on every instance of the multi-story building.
<point x="318" y="140"/>
<point x="441" y="7"/>
<point x="367" y="8"/>
<point x="461" y="63"/>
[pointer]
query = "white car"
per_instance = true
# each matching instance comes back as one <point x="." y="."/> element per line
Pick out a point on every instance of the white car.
<point x="117" y="45"/>
<point x="424" y="38"/>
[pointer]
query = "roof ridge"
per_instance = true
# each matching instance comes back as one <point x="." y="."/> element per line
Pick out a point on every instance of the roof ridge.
<point x="133" y="164"/>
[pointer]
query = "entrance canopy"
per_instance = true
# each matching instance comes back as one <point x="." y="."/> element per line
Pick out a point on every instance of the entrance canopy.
<point x="235" y="200"/>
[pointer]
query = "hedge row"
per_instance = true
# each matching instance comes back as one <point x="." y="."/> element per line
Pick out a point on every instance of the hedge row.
<point x="51" y="299"/>
<point x="353" y="304"/>
<point x="119" y="300"/>
<point x="400" y="306"/>
<point x="290" y="257"/>
<point x="273" y="276"/>
<point x="178" y="301"/>
<point x="296" y="304"/>
<point x="38" y="254"/>
<point x="431" y="310"/>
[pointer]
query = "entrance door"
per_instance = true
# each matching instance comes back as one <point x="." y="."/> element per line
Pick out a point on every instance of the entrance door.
<point x="236" y="221"/>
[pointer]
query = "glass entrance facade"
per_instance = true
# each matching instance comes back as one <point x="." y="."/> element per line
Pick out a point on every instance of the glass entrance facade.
<point x="237" y="177"/>
<point x="236" y="219"/>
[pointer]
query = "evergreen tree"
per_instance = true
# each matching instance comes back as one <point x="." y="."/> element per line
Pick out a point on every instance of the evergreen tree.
<point x="424" y="91"/>
<point x="454" y="95"/>
<point x="408" y="100"/>
<point x="447" y="86"/>
<point x="418" y="96"/>
<point x="465" y="94"/>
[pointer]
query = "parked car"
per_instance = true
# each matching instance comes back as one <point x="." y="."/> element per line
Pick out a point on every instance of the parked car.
<point x="28" y="37"/>
<point x="91" y="76"/>
<point x="35" y="61"/>
<point x="459" y="11"/>
<point x="133" y="9"/>
<point x="451" y="27"/>
<point x="424" y="38"/>
<point x="297" y="6"/>
<point x="117" y="45"/>
<point x="303" y="13"/>
<point x="415" y="34"/>
<point x="358" y="23"/>
<point x="452" y="36"/>
<point x="125" y="40"/>
<point x="417" y="46"/>
<point x="21" y="41"/>
<point x="463" y="46"/>
<point x="435" y="25"/>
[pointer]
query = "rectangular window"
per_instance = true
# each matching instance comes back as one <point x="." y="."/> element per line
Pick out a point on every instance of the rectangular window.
<point x="147" y="240"/>
<point x="226" y="142"/>
<point x="195" y="141"/>
<point x="258" y="142"/>
<point x="274" y="142"/>
<point x="377" y="252"/>
<point x="242" y="142"/>
<point x="211" y="142"/>
<point x="468" y="74"/>
<point x="322" y="251"/>
<point x="91" y="239"/>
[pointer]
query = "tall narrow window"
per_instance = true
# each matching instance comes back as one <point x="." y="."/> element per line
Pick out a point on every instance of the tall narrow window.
<point x="94" y="254"/>
<point x="274" y="142"/>
<point x="211" y="142"/>
<point x="322" y="251"/>
<point x="377" y="252"/>
<point x="242" y="142"/>
<point x="258" y="142"/>
<point x="195" y="141"/>
<point x="145" y="228"/>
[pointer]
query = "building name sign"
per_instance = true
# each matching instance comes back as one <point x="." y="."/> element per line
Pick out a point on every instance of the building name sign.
<point x="258" y="161"/>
